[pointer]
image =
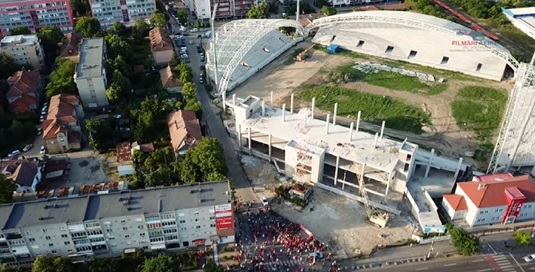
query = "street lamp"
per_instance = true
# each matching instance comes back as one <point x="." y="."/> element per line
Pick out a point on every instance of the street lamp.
<point x="214" y="51"/>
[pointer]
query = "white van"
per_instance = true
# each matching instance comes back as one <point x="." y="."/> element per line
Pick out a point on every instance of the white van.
<point x="264" y="200"/>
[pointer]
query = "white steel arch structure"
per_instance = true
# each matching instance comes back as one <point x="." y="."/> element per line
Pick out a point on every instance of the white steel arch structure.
<point x="415" y="20"/>
<point x="234" y="39"/>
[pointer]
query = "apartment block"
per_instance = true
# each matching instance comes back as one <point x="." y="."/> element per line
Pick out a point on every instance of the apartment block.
<point x="225" y="8"/>
<point x="35" y="14"/>
<point x="125" y="11"/>
<point x="90" y="74"/>
<point x="24" y="49"/>
<point x="99" y="225"/>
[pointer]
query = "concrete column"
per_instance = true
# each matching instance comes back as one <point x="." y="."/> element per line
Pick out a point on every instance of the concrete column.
<point x="269" y="147"/>
<point x="382" y="130"/>
<point x="283" y="112"/>
<point x="239" y="138"/>
<point x="327" y="124"/>
<point x="429" y="163"/>
<point x="234" y="99"/>
<point x="249" y="145"/>
<point x="376" y="139"/>
<point x="459" y="165"/>
<point x="223" y="98"/>
<point x="263" y="108"/>
<point x="336" y="169"/>
<point x="271" y="101"/>
<point x="335" y="112"/>
<point x="292" y="103"/>
<point x="388" y="185"/>
<point x="313" y="105"/>
<point x="358" y="121"/>
<point x="351" y="131"/>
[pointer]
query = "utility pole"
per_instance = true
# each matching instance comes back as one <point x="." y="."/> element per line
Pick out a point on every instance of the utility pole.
<point x="214" y="51"/>
<point x="297" y="13"/>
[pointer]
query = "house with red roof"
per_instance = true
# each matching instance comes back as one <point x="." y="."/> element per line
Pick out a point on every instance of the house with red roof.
<point x="184" y="129"/>
<point x="23" y="91"/>
<point x="492" y="199"/>
<point x="61" y="128"/>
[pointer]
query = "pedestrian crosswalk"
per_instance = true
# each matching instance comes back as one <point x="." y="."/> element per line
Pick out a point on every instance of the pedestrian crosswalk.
<point x="501" y="263"/>
<point x="280" y="265"/>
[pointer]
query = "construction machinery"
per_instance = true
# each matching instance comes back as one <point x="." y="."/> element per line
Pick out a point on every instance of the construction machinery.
<point x="375" y="216"/>
<point x="307" y="53"/>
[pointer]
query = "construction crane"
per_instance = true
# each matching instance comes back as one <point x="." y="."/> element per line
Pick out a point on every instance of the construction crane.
<point x="375" y="215"/>
<point x="463" y="18"/>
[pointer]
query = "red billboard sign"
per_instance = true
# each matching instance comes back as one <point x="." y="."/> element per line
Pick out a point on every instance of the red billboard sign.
<point x="224" y="223"/>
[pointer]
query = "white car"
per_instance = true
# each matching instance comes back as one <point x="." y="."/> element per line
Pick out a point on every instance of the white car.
<point x="14" y="153"/>
<point x="27" y="147"/>
<point x="39" y="131"/>
<point x="42" y="151"/>
<point x="264" y="200"/>
<point x="529" y="258"/>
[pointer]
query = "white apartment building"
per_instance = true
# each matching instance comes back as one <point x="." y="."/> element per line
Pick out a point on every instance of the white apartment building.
<point x="125" y="11"/>
<point x="225" y="9"/>
<point x="82" y="227"/>
<point x="492" y="199"/>
<point x="24" y="49"/>
<point x="90" y="74"/>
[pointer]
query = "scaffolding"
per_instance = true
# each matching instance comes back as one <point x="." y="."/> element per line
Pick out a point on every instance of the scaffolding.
<point x="303" y="167"/>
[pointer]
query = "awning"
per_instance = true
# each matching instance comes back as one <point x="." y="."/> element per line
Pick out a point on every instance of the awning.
<point x="199" y="242"/>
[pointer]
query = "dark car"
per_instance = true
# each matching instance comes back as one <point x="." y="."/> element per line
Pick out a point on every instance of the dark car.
<point x="202" y="68"/>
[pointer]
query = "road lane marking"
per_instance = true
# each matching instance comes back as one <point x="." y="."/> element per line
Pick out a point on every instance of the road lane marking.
<point x="499" y="257"/>
<point x="451" y="264"/>
<point x="483" y="270"/>
<point x="514" y="259"/>
<point x="477" y="261"/>
<point x="420" y="269"/>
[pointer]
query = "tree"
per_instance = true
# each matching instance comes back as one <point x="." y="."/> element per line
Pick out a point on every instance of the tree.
<point x="161" y="263"/>
<point x="157" y="19"/>
<point x="101" y="135"/>
<point x="209" y="156"/>
<point x="522" y="238"/>
<point x="194" y="105"/>
<point x="119" y="29"/>
<point x="189" y="172"/>
<point x="52" y="264"/>
<point x="148" y="119"/>
<point x="121" y="81"/>
<point x="185" y="72"/>
<point x="20" y="30"/>
<point x="466" y="244"/>
<point x="140" y="30"/>
<point x="182" y="17"/>
<point x="118" y="46"/>
<point x="88" y="27"/>
<point x="197" y="24"/>
<point x="103" y="265"/>
<point x="50" y="37"/>
<point x="189" y="90"/>
<point x="260" y="11"/>
<point x="7" y="187"/>
<point x="118" y="63"/>
<point x="175" y="60"/>
<point x="80" y="8"/>
<point x="62" y="79"/>
<point x="214" y="176"/>
<point x="113" y="93"/>
<point x="328" y="10"/>
<point x="7" y="66"/>
<point x="211" y="266"/>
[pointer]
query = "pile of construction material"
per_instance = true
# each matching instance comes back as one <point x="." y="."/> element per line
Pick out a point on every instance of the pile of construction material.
<point x="370" y="67"/>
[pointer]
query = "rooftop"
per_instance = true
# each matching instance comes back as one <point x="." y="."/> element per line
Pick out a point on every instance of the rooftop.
<point x="91" y="58"/>
<point x="160" y="40"/>
<point x="78" y="209"/>
<point x="457" y="202"/>
<point x="19" y="40"/>
<point x="492" y="193"/>
<point x="520" y="12"/>
<point x="69" y="46"/>
<point x="184" y="129"/>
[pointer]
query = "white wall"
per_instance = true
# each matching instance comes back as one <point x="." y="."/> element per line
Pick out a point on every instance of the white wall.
<point x="86" y="95"/>
<point x="492" y="215"/>
<point x="196" y="223"/>
<point x="202" y="9"/>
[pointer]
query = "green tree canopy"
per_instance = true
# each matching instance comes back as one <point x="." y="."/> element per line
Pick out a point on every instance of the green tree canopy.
<point x="119" y="29"/>
<point x="158" y="19"/>
<point x="161" y="263"/>
<point x="62" y="78"/>
<point x="185" y="74"/>
<point x="194" y="105"/>
<point x="118" y="47"/>
<point x="175" y="60"/>
<point x="113" y="93"/>
<point x="189" y="172"/>
<point x="466" y="244"/>
<point x="7" y="187"/>
<point x="260" y="11"/>
<point x="121" y="81"/>
<point x="88" y="27"/>
<point x="20" y="30"/>
<point x="80" y="8"/>
<point x="211" y="266"/>
<point x="7" y="66"/>
<point x="328" y="10"/>
<point x="52" y="264"/>
<point x="149" y="120"/>
<point x="189" y="90"/>
<point x="140" y="30"/>
<point x="101" y="134"/>
<point x="50" y="37"/>
<point x="522" y="238"/>
<point x="119" y="63"/>
<point x="208" y="154"/>
<point x="182" y="17"/>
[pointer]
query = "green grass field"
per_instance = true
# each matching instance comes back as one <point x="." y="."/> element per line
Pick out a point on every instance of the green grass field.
<point x="394" y="81"/>
<point x="375" y="108"/>
<point x="479" y="109"/>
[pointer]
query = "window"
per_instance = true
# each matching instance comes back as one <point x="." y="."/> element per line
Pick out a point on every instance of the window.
<point x="53" y="252"/>
<point x="212" y="217"/>
<point x="47" y="237"/>
<point x="142" y="234"/>
<point x="412" y="54"/>
<point x="196" y="219"/>
<point x="360" y="44"/>
<point x="31" y="240"/>
<point x="51" y="245"/>
<point x="196" y="213"/>
<point x="67" y="242"/>
<point x="445" y="60"/>
<point x="197" y="227"/>
<point x="212" y="225"/>
<point x="44" y="230"/>
<point x="478" y="68"/>
<point x="125" y="228"/>
<point x="127" y="236"/>
<point x="182" y="221"/>
<point x="389" y="49"/>
<point x="64" y="236"/>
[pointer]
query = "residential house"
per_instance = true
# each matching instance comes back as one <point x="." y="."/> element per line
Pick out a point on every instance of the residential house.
<point x="24" y="173"/>
<point x="23" y="49"/>
<point x="23" y="91"/>
<point x="69" y="48"/>
<point x="161" y="45"/>
<point x="170" y="81"/>
<point x="125" y="165"/>
<point x="145" y="148"/>
<point x="61" y="129"/>
<point x="492" y="199"/>
<point x="184" y="129"/>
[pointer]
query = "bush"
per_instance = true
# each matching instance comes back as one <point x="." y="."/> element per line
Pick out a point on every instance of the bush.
<point x="375" y="108"/>
<point x="522" y="238"/>
<point x="466" y="244"/>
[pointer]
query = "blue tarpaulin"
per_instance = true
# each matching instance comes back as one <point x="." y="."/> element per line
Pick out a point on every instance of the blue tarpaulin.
<point x="333" y="49"/>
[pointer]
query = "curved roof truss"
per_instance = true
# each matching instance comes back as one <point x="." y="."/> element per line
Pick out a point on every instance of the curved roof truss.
<point x="236" y="38"/>
<point x="374" y="17"/>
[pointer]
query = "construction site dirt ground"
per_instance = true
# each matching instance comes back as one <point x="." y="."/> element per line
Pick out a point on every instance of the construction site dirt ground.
<point x="333" y="219"/>
<point x="284" y="76"/>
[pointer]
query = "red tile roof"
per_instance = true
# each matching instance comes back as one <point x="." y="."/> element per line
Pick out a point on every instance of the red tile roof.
<point x="168" y="78"/>
<point x="160" y="40"/>
<point x="23" y="104"/>
<point x="491" y="193"/>
<point x="22" y="93"/>
<point x="457" y="202"/>
<point x="69" y="47"/>
<point x="496" y="177"/>
<point x="61" y="111"/>
<point x="124" y="152"/>
<point x="184" y="128"/>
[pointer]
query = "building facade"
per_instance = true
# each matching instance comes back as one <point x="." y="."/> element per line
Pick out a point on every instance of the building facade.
<point x="225" y="9"/>
<point x="125" y="11"/>
<point x="90" y="74"/>
<point x="161" y="45"/>
<point x="24" y="49"/>
<point x="83" y="227"/>
<point x="61" y="128"/>
<point x="492" y="199"/>
<point x="35" y="14"/>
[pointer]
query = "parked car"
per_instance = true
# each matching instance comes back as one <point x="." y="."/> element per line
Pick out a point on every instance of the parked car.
<point x="39" y="131"/>
<point x="529" y="258"/>
<point x="42" y="118"/>
<point x="27" y="147"/>
<point x="14" y="153"/>
<point x="264" y="200"/>
<point x="191" y="42"/>
<point x="202" y="68"/>
<point x="42" y="151"/>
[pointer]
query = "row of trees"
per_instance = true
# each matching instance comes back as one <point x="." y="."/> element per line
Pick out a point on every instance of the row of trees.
<point x="466" y="244"/>
<point x="135" y="262"/>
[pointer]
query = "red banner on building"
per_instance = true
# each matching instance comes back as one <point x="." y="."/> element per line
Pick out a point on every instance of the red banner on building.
<point x="224" y="223"/>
